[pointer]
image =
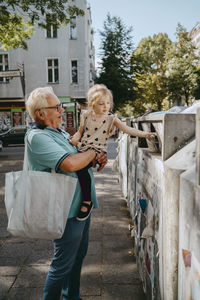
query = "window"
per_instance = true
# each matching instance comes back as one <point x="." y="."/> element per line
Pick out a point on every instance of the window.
<point x="4" y="66"/>
<point x="51" y="27"/>
<point x="52" y="67"/>
<point x="73" y="29"/>
<point x="74" y="71"/>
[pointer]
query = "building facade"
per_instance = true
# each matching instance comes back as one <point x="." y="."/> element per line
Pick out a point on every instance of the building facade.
<point x="62" y="58"/>
<point x="195" y="35"/>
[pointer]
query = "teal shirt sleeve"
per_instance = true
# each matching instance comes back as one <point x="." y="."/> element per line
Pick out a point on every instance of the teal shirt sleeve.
<point x="45" y="152"/>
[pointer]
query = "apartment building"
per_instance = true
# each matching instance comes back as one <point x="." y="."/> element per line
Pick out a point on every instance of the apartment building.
<point x="195" y="35"/>
<point x="62" y="58"/>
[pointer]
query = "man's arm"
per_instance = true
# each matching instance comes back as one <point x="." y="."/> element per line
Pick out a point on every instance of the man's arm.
<point x="78" y="161"/>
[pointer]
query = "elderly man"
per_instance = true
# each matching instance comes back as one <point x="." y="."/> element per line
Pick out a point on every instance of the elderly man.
<point x="48" y="147"/>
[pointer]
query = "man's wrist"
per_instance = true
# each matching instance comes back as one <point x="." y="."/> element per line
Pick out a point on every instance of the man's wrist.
<point x="94" y="152"/>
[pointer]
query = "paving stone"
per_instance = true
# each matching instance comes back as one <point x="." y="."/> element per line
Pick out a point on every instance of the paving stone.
<point x="122" y="292"/>
<point x="90" y="284"/>
<point x="91" y="298"/>
<point x="120" y="274"/>
<point x="109" y="210"/>
<point x="115" y="227"/>
<point x="9" y="270"/>
<point x="2" y="209"/>
<point x="95" y="247"/>
<point x="12" y="261"/>
<point x="17" y="249"/>
<point x="4" y="233"/>
<point x="95" y="261"/>
<point x="43" y="244"/>
<point x="32" y="277"/>
<point x="40" y="257"/>
<point x="5" y="284"/>
<point x="95" y="235"/>
<point x="123" y="241"/>
<point x="3" y="220"/>
<point x="18" y="240"/>
<point x="119" y="256"/>
<point x="25" y="294"/>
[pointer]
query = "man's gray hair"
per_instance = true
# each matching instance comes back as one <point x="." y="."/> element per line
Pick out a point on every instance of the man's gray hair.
<point x="38" y="99"/>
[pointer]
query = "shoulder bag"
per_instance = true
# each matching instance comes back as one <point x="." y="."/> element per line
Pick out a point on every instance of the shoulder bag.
<point x="38" y="203"/>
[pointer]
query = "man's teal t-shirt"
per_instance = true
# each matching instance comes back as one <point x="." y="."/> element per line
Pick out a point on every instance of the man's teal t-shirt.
<point x="46" y="149"/>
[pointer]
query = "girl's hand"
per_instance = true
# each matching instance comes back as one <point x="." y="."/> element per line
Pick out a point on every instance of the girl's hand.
<point x="73" y="141"/>
<point x="149" y="135"/>
<point x="101" y="159"/>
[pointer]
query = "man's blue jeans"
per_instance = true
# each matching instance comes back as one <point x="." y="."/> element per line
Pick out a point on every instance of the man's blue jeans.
<point x="65" y="269"/>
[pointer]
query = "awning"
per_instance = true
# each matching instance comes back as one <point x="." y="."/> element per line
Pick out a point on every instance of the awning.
<point x="6" y="100"/>
<point x="65" y="99"/>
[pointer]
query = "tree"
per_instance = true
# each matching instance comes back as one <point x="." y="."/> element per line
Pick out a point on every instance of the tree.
<point x="149" y="72"/>
<point x="116" y="48"/>
<point x="183" y="61"/>
<point x="17" y="18"/>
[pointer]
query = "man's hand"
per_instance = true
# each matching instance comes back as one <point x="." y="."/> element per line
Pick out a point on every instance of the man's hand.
<point x="102" y="159"/>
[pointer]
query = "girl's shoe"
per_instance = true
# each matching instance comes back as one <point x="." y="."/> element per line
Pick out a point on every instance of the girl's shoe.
<point x="83" y="215"/>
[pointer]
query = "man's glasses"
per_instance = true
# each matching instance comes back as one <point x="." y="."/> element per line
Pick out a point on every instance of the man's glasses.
<point x="57" y="107"/>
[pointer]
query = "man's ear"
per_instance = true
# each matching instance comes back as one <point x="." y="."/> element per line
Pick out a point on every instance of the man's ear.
<point x="39" y="114"/>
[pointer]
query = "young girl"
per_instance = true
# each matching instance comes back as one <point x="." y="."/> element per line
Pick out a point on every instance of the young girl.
<point x="96" y="126"/>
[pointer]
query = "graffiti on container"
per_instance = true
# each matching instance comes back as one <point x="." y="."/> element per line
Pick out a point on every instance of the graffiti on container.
<point x="150" y="260"/>
<point x="144" y="242"/>
<point x="149" y="229"/>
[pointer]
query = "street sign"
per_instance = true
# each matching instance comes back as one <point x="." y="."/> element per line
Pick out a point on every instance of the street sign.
<point x="11" y="73"/>
<point x="20" y="67"/>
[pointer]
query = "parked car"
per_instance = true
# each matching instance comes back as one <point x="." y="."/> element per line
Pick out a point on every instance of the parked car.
<point x="1" y="146"/>
<point x="14" y="135"/>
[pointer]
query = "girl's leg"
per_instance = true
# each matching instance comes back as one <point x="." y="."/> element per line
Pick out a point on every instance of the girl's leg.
<point x="85" y="183"/>
<point x="66" y="251"/>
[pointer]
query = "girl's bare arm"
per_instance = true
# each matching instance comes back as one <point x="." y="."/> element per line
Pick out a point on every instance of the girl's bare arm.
<point x="132" y="131"/>
<point x="77" y="136"/>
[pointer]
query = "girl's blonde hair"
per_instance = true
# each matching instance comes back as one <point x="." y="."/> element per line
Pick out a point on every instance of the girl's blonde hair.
<point x="98" y="92"/>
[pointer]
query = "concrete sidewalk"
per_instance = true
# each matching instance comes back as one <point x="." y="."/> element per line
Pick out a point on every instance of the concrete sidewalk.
<point x="109" y="271"/>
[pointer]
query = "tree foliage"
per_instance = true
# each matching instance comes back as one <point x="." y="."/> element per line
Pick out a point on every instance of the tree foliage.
<point x="183" y="61"/>
<point x="149" y="71"/>
<point x="165" y="73"/>
<point x="116" y="48"/>
<point x="15" y="29"/>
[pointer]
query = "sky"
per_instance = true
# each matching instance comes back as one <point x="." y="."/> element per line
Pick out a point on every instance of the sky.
<point x="147" y="17"/>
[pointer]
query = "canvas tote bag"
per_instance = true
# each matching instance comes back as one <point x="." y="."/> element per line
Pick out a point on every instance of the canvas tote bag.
<point x="38" y="203"/>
